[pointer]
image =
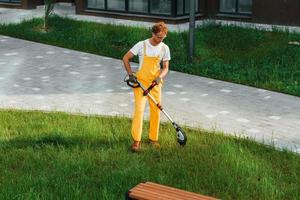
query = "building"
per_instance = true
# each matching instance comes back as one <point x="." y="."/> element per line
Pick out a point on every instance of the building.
<point x="279" y="12"/>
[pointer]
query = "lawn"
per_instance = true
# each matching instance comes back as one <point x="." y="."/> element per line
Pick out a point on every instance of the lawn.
<point x="63" y="156"/>
<point x="245" y="56"/>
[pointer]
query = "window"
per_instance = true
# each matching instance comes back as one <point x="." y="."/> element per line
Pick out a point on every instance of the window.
<point x="236" y="6"/>
<point x="96" y="4"/>
<point x="116" y="5"/>
<point x="245" y="6"/>
<point x="187" y="6"/>
<point x="150" y="7"/>
<point x="180" y="7"/>
<point x="138" y="5"/>
<point x="160" y="7"/>
<point x="227" y="6"/>
<point x="11" y="1"/>
<point x="183" y="7"/>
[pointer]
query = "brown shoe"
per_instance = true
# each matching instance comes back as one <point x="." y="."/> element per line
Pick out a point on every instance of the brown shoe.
<point x="154" y="144"/>
<point x="136" y="146"/>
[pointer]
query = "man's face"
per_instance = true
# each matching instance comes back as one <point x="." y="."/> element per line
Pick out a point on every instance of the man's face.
<point x="159" y="37"/>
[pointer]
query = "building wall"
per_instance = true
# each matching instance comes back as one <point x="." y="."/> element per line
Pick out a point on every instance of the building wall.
<point x="211" y="8"/>
<point x="29" y="4"/>
<point x="280" y="12"/>
<point x="80" y="9"/>
<point x="284" y="12"/>
<point x="25" y="4"/>
<point x="67" y="1"/>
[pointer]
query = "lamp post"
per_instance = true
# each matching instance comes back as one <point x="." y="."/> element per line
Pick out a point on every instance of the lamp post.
<point x="192" y="31"/>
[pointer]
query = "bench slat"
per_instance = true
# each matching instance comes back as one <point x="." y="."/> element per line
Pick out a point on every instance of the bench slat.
<point x="166" y="193"/>
<point x="154" y="191"/>
<point x="152" y="194"/>
<point x="141" y="195"/>
<point x="179" y="191"/>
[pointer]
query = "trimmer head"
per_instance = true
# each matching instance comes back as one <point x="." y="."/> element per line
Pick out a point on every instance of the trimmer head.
<point x="181" y="136"/>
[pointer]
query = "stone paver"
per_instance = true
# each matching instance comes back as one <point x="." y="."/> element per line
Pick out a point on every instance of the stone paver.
<point x="44" y="77"/>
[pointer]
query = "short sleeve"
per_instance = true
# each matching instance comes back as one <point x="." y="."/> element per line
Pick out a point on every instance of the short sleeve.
<point x="137" y="48"/>
<point x="167" y="54"/>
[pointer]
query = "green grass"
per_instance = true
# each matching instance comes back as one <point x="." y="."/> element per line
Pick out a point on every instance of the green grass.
<point x="63" y="156"/>
<point x="246" y="56"/>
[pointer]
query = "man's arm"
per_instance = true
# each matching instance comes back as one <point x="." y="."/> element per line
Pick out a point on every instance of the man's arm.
<point x="126" y="60"/>
<point x="165" y="69"/>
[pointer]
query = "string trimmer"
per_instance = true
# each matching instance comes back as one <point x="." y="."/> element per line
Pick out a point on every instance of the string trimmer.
<point x="181" y="136"/>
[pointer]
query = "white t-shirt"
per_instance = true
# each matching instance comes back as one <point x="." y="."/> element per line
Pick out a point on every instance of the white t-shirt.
<point x="161" y="49"/>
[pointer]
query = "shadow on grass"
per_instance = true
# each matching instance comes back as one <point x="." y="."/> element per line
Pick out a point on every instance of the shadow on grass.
<point x="59" y="141"/>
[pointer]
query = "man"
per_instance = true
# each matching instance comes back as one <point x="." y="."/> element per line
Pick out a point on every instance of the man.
<point x="151" y="53"/>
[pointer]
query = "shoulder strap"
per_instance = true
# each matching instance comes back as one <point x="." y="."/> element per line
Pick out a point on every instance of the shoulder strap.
<point x="144" y="49"/>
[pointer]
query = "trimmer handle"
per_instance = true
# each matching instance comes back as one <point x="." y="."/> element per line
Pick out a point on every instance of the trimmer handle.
<point x="153" y="84"/>
<point x="130" y="84"/>
<point x="133" y="85"/>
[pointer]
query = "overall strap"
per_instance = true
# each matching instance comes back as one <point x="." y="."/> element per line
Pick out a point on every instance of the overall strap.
<point x="144" y="49"/>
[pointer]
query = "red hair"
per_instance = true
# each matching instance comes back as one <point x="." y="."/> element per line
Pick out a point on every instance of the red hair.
<point x="159" y="27"/>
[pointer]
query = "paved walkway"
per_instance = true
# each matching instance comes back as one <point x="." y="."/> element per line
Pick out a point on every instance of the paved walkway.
<point x="44" y="77"/>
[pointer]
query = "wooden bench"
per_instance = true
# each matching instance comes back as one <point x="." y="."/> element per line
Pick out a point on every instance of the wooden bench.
<point x="153" y="191"/>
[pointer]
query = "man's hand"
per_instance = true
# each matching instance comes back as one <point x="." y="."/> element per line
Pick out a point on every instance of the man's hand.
<point x="157" y="80"/>
<point x="132" y="78"/>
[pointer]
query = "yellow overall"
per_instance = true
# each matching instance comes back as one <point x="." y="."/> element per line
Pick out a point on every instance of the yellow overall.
<point x="149" y="70"/>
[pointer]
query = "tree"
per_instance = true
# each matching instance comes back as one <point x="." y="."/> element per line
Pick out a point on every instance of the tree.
<point x="49" y="6"/>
